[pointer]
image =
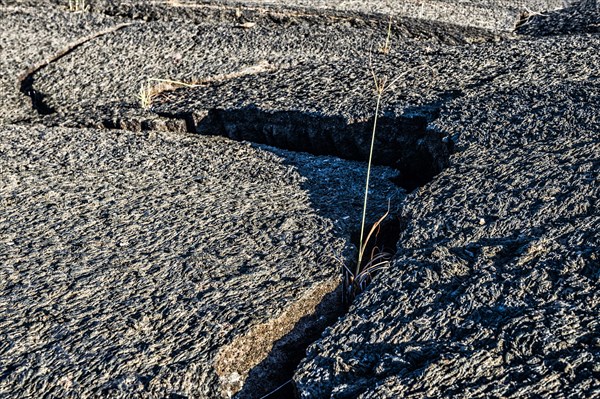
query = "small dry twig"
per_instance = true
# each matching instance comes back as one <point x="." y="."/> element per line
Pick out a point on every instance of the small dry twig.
<point x="149" y="91"/>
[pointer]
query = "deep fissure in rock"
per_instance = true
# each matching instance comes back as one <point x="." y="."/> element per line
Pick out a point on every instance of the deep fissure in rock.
<point x="382" y="242"/>
<point x="27" y="78"/>
<point x="403" y="142"/>
<point x="273" y="376"/>
<point x="265" y="358"/>
<point x="37" y="98"/>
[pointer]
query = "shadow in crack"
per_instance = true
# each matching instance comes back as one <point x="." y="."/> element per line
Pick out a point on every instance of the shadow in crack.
<point x="336" y="188"/>
<point x="402" y="142"/>
<point x="272" y="376"/>
<point x="38" y="102"/>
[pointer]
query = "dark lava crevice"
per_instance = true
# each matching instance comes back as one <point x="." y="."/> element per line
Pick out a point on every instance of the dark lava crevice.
<point x="37" y="98"/>
<point x="264" y="358"/>
<point x="404" y="142"/>
<point x="26" y="79"/>
<point x="272" y="377"/>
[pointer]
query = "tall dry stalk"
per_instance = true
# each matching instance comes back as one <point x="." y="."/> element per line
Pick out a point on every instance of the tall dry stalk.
<point x="356" y="282"/>
<point x="381" y="84"/>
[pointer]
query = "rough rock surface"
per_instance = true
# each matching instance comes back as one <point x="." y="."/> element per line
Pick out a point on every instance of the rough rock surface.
<point x="491" y="15"/>
<point x="137" y="264"/>
<point x="289" y="82"/>
<point x="494" y="291"/>
<point x="581" y="16"/>
<point x="110" y="71"/>
<point x="165" y="264"/>
<point x="31" y="37"/>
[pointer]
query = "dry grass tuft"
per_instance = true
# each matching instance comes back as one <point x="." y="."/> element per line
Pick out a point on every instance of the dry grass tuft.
<point x="153" y="87"/>
<point x="77" y="5"/>
<point x="146" y="95"/>
<point x="378" y="259"/>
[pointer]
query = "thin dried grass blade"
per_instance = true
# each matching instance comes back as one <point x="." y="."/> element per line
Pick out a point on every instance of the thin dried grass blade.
<point x="382" y="255"/>
<point x="375" y="226"/>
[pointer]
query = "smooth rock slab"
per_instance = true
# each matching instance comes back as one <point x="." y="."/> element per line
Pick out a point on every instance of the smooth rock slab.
<point x="156" y="264"/>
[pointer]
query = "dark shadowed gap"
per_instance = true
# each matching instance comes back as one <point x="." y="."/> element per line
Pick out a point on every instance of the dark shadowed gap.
<point x="272" y="377"/>
<point x="383" y="242"/>
<point x="385" y="238"/>
<point x="27" y="77"/>
<point x="403" y="142"/>
<point x="37" y="98"/>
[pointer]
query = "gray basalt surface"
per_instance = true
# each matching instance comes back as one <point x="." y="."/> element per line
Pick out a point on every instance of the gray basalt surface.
<point x="109" y="72"/>
<point x="583" y="16"/>
<point x="154" y="264"/>
<point x="495" y="15"/>
<point x="30" y="37"/>
<point x="264" y="67"/>
<point x="491" y="15"/>
<point x="140" y="260"/>
<point x="494" y="291"/>
<point x="260" y="82"/>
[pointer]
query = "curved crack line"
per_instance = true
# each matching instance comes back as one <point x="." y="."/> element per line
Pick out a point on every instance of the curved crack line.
<point x="256" y="360"/>
<point x="25" y="79"/>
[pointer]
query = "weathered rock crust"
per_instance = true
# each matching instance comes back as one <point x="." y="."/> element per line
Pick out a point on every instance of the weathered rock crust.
<point x="494" y="290"/>
<point x="151" y="264"/>
<point x="133" y="262"/>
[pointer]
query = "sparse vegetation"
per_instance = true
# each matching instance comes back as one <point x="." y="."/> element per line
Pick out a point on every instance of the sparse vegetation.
<point x="378" y="259"/>
<point x="153" y="87"/>
<point x="385" y="49"/>
<point x="77" y="5"/>
<point x="145" y="95"/>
